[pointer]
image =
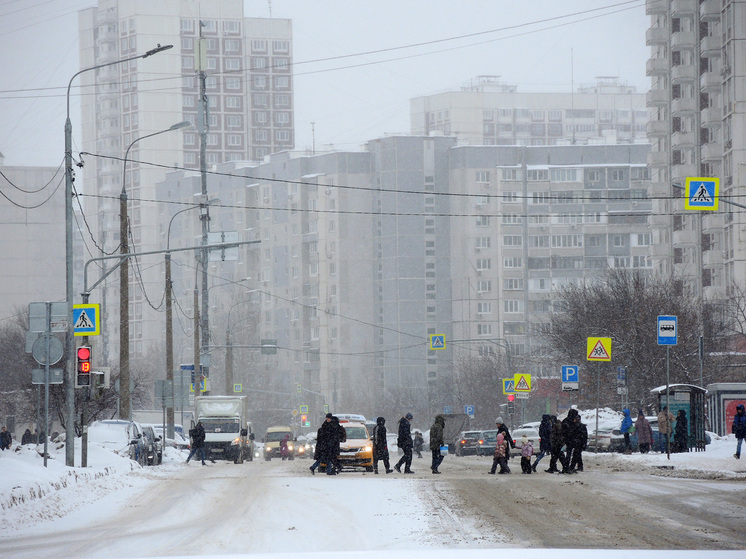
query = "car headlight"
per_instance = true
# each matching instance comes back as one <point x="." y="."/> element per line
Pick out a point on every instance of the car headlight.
<point x="237" y="440"/>
<point x="268" y="449"/>
<point x="290" y="447"/>
<point x="301" y="449"/>
<point x="368" y="448"/>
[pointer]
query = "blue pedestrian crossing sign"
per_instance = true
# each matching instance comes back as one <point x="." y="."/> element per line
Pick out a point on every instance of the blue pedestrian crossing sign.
<point x="570" y="373"/>
<point x="437" y="341"/>
<point x="701" y="193"/>
<point x="86" y="320"/>
<point x="508" y="386"/>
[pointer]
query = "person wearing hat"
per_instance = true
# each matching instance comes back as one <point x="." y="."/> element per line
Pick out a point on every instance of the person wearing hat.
<point x="405" y="443"/>
<point x="739" y="428"/>
<point x="322" y="441"/>
<point x="527" y="452"/>
<point x="502" y="428"/>
<point x="437" y="440"/>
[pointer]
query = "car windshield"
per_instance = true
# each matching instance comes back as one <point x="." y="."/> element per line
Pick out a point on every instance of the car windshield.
<point x="356" y="433"/>
<point x="471" y="436"/>
<point x="489" y="435"/>
<point x="276" y="436"/>
<point x="220" y="426"/>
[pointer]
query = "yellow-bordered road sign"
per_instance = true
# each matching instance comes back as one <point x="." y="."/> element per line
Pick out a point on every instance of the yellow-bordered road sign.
<point x="86" y="320"/>
<point x="701" y="193"/>
<point x="437" y="341"/>
<point x="522" y="382"/>
<point x="508" y="386"/>
<point x="599" y="349"/>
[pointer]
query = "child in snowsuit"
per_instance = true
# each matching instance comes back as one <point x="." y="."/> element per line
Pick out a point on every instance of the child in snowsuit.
<point x="527" y="452"/>
<point x="501" y="456"/>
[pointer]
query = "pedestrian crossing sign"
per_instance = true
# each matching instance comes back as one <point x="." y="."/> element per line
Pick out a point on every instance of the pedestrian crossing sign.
<point x="599" y="349"/>
<point x="437" y="341"/>
<point x="86" y="320"/>
<point x="522" y="383"/>
<point x="701" y="193"/>
<point x="508" y="386"/>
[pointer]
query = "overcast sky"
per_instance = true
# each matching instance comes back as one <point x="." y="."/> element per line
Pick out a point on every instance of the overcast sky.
<point x="353" y="98"/>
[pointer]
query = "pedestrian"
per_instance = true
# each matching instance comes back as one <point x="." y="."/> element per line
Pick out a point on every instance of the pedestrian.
<point x="568" y="436"/>
<point x="6" y="440"/>
<point x="556" y="441"/>
<point x="665" y="428"/>
<point x="419" y="442"/>
<point x="739" y="429"/>
<point x="320" y="453"/>
<point x="27" y="437"/>
<point x="284" y="452"/>
<point x="578" y="441"/>
<point x="380" y="446"/>
<point x="405" y="443"/>
<point x="197" y="433"/>
<point x="627" y="429"/>
<point x="681" y="433"/>
<point x="436" y="441"/>
<point x="338" y="436"/>
<point x="527" y="452"/>
<point x="644" y="433"/>
<point x="502" y="428"/>
<point x="501" y="456"/>
<point x="545" y="439"/>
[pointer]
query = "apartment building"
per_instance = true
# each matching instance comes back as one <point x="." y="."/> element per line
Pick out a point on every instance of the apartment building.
<point x="249" y="93"/>
<point x="488" y="111"/>
<point x="697" y="129"/>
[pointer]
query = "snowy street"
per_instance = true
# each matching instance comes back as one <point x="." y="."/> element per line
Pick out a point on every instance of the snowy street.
<point x="619" y="502"/>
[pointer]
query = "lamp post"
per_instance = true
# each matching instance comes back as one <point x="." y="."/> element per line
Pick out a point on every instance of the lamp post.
<point x="69" y="331"/>
<point x="125" y="410"/>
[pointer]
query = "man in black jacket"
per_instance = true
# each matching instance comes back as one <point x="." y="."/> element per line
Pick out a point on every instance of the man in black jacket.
<point x="380" y="446"/>
<point x="405" y="443"/>
<point x="198" y="442"/>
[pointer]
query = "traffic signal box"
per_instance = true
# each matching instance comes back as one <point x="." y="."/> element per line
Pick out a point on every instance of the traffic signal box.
<point x="83" y="367"/>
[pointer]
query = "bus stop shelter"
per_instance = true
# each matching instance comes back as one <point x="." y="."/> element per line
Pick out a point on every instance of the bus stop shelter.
<point x="722" y="400"/>
<point x="691" y="399"/>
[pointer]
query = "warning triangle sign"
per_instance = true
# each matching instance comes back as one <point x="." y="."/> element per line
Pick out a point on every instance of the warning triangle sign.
<point x="522" y="385"/>
<point x="83" y="321"/>
<point x="702" y="196"/>
<point x="599" y="352"/>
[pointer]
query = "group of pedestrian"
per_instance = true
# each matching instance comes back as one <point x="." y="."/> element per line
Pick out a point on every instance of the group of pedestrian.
<point x="6" y="439"/>
<point x="564" y="440"/>
<point x="667" y="428"/>
<point x="329" y="437"/>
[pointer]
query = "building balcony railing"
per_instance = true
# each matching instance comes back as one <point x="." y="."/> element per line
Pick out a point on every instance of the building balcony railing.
<point x="656" y="36"/>
<point x="709" y="10"/>
<point x="683" y="139"/>
<point x="656" y="7"/>
<point x="712" y="258"/>
<point x="711" y="82"/>
<point x="657" y="97"/>
<point x="658" y="158"/>
<point x="683" y="39"/>
<point x="683" y="73"/>
<point x="712" y="152"/>
<point x="657" y="128"/>
<point x="679" y="173"/>
<point x="683" y="7"/>
<point x="683" y="106"/>
<point x="656" y="66"/>
<point x="684" y="237"/>
<point x="710" y="47"/>
<point x="712" y="117"/>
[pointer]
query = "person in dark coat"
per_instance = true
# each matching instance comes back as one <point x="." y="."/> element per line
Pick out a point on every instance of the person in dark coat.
<point x="644" y="433"/>
<point x="319" y="453"/>
<point x="284" y="450"/>
<point x="419" y="442"/>
<point x="27" y="437"/>
<point x="568" y="436"/>
<point x="436" y="441"/>
<point x="405" y="443"/>
<point x="545" y="439"/>
<point x="578" y="441"/>
<point x="338" y="436"/>
<point x="739" y="428"/>
<point x="681" y="433"/>
<point x="6" y="439"/>
<point x="197" y="433"/>
<point x="557" y="442"/>
<point x="380" y="446"/>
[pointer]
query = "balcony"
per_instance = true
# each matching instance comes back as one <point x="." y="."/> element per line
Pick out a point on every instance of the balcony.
<point x="656" y="36"/>
<point x="683" y="40"/>
<point x="683" y="73"/>
<point x="657" y="128"/>
<point x="710" y="82"/>
<point x="683" y="7"/>
<point x="679" y="173"/>
<point x="683" y="139"/>
<point x="683" y="106"/>
<point x="656" y="7"/>
<point x="712" y="152"/>
<point x="658" y="158"/>
<point x="656" y="66"/>
<point x="709" y="10"/>
<point x="712" y="258"/>
<point x="709" y="47"/>
<point x="657" y="97"/>
<point x="684" y="236"/>
<point x="711" y="117"/>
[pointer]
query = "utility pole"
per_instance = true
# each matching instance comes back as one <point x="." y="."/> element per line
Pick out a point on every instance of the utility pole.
<point x="204" y="212"/>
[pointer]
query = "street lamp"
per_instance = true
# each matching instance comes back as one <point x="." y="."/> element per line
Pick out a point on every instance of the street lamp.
<point x="69" y="331"/>
<point x="124" y="319"/>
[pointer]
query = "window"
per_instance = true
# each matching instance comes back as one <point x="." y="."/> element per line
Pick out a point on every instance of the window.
<point x="482" y="242"/>
<point x="484" y="329"/>
<point x="281" y="64"/>
<point x="563" y="175"/>
<point x="512" y="262"/>
<point x="260" y="82"/>
<point x="282" y="135"/>
<point x="483" y="221"/>
<point x="513" y="284"/>
<point x="282" y="82"/>
<point x="233" y="64"/>
<point x="513" y="306"/>
<point x="643" y="239"/>
<point x="484" y="286"/>
<point x="232" y="46"/>
<point x="282" y="118"/>
<point x="483" y="176"/>
<point x="537" y="175"/>
<point x="619" y="241"/>
<point x="232" y="84"/>
<point x="234" y="140"/>
<point x="282" y="100"/>
<point x="233" y="102"/>
<point x="512" y="219"/>
<point x="281" y="47"/>
<point x="484" y="264"/>
<point x="538" y="241"/>
<point x="512" y="240"/>
<point x="258" y="45"/>
<point x="231" y="27"/>
<point x="567" y="241"/>
<point x="511" y="174"/>
<point x="484" y="308"/>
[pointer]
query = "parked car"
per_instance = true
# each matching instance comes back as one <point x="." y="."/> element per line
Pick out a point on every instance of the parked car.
<point x="178" y="442"/>
<point x="467" y="443"/>
<point x="124" y="437"/>
<point x="604" y="439"/>
<point x="487" y="442"/>
<point x="153" y="446"/>
<point x="533" y="435"/>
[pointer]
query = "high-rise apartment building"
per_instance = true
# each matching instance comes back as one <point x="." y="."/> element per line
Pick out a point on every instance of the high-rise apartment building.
<point x="490" y="112"/>
<point x="249" y="95"/>
<point x="698" y="129"/>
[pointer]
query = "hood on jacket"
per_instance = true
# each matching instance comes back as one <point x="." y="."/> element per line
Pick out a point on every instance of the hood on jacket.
<point x="546" y="417"/>
<point x="381" y="421"/>
<point x="740" y="407"/>
<point x="500" y="438"/>
<point x="626" y="412"/>
<point x="440" y="420"/>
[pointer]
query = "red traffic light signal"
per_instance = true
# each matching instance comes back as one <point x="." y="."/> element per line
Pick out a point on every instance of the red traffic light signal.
<point x="511" y="397"/>
<point x="83" y="368"/>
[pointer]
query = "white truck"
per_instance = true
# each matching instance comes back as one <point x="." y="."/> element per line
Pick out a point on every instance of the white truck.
<point x="228" y="431"/>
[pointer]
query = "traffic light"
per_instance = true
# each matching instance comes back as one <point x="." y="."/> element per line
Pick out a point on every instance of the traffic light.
<point x="511" y="397"/>
<point x="83" y="368"/>
<point x="304" y="421"/>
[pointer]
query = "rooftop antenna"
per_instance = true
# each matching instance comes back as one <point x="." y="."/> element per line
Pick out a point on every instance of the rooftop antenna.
<point x="572" y="91"/>
<point x="269" y="3"/>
